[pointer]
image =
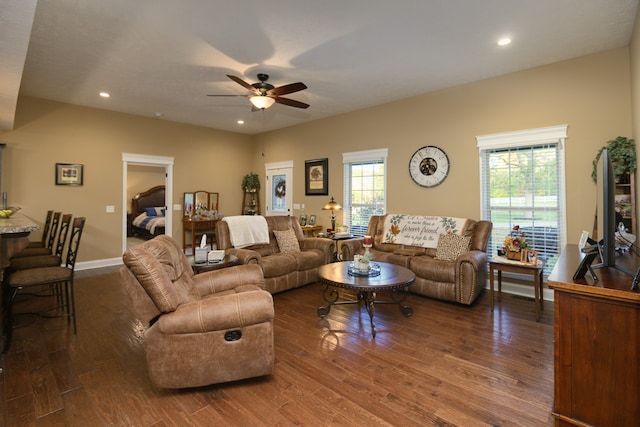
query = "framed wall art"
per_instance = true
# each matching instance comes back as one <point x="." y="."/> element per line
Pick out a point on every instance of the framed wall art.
<point x="316" y="178"/>
<point x="69" y="174"/>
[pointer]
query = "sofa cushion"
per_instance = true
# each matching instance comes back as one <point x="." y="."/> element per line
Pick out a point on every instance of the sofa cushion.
<point x="287" y="241"/>
<point x="279" y="265"/>
<point x="451" y="246"/>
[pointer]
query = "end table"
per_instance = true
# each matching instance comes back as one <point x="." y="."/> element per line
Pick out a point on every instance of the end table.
<point x="501" y="264"/>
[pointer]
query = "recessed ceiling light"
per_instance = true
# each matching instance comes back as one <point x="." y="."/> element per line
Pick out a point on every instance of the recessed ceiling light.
<point x="240" y="122"/>
<point x="504" y="41"/>
<point x="105" y="94"/>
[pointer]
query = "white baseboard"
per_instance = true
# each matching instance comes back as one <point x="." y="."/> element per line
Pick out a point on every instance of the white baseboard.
<point x="522" y="290"/>
<point x="99" y="263"/>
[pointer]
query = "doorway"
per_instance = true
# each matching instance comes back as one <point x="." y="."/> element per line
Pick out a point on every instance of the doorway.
<point x="148" y="161"/>
<point x="279" y="191"/>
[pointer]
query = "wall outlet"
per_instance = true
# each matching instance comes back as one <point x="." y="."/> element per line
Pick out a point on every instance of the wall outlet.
<point x="111" y="209"/>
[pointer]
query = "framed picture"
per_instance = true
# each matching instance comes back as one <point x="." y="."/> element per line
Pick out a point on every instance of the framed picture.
<point x="312" y="220"/>
<point x="303" y="220"/>
<point x="69" y="174"/>
<point x="529" y="257"/>
<point x="316" y="177"/>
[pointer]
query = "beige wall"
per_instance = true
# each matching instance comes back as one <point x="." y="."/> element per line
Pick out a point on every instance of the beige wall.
<point x="590" y="94"/>
<point x="47" y="132"/>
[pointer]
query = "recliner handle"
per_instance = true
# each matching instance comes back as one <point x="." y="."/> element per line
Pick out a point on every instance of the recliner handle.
<point x="233" y="335"/>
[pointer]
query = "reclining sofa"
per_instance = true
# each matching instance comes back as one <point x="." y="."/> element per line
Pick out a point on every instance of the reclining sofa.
<point x="453" y="269"/>
<point x="289" y="259"/>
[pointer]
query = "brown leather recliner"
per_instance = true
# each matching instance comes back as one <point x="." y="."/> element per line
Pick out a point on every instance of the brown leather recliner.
<point x="203" y="329"/>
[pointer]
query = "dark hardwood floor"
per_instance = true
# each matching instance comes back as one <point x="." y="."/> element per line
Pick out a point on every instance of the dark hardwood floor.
<point x="446" y="365"/>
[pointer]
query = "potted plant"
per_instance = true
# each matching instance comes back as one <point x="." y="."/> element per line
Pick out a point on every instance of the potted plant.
<point x="251" y="182"/>
<point x="622" y="152"/>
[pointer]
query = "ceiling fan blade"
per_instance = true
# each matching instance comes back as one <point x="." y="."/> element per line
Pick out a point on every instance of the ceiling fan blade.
<point x="291" y="102"/>
<point x="242" y="83"/>
<point x="228" y="95"/>
<point x="290" y="88"/>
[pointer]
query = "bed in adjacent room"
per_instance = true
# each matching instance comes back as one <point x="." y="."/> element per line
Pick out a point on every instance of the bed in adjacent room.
<point x="147" y="217"/>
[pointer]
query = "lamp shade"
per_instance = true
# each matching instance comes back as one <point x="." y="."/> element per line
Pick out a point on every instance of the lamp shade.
<point x="262" y="102"/>
<point x="332" y="206"/>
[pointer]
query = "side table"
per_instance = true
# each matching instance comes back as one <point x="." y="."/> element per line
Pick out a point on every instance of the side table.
<point x="501" y="264"/>
<point x="227" y="261"/>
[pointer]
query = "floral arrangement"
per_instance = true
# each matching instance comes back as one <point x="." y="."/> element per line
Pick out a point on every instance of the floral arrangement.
<point x="515" y="241"/>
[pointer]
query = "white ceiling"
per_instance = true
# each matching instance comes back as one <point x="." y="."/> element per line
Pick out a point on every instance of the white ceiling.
<point x="164" y="56"/>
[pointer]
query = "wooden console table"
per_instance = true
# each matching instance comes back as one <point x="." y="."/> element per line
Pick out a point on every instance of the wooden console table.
<point x="195" y="228"/>
<point x="597" y="344"/>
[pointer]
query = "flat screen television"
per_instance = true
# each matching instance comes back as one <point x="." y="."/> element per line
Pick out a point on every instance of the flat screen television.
<point x="607" y="218"/>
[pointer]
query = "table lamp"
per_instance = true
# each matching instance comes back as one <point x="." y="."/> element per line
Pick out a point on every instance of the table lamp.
<point x="332" y="206"/>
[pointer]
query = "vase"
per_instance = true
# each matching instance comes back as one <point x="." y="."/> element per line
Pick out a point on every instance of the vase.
<point x="514" y="255"/>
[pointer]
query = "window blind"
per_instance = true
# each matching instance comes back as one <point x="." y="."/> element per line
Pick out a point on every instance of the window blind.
<point x="364" y="188"/>
<point x="522" y="184"/>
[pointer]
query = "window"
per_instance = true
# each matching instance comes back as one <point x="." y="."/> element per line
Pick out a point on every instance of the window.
<point x="364" y="188"/>
<point x="522" y="183"/>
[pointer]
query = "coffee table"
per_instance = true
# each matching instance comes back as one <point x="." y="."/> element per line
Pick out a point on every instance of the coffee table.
<point x="388" y="277"/>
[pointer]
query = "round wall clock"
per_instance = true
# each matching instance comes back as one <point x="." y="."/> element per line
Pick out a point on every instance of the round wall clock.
<point x="429" y="166"/>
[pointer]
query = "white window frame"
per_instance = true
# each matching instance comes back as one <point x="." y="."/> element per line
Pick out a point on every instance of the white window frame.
<point x="348" y="159"/>
<point x="527" y="138"/>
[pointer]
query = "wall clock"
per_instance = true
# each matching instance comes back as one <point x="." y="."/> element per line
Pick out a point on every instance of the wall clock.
<point x="429" y="166"/>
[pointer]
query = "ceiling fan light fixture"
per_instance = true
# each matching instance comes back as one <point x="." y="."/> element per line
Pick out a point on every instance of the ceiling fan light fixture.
<point x="262" y="102"/>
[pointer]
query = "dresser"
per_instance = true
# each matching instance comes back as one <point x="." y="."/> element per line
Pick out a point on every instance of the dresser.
<point x="597" y="344"/>
<point x="194" y="229"/>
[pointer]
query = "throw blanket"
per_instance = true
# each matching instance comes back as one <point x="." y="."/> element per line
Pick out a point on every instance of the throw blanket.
<point x="247" y="230"/>
<point x="149" y="223"/>
<point x="421" y="231"/>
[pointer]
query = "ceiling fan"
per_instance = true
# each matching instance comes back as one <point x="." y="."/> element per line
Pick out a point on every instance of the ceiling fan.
<point x="263" y="94"/>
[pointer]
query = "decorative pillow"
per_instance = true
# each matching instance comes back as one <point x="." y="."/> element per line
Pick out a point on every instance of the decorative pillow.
<point x="154" y="211"/>
<point x="451" y="246"/>
<point x="287" y="241"/>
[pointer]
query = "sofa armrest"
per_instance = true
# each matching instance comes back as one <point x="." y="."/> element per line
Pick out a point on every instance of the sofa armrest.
<point x="327" y="246"/>
<point x="211" y="282"/>
<point x="245" y="256"/>
<point x="351" y="247"/>
<point x="471" y="275"/>
<point x="477" y="258"/>
<point x="219" y="313"/>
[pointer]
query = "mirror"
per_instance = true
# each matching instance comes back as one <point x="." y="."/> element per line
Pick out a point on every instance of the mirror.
<point x="201" y="203"/>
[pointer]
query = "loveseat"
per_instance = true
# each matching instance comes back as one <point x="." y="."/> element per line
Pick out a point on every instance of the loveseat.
<point x="447" y="255"/>
<point x="286" y="264"/>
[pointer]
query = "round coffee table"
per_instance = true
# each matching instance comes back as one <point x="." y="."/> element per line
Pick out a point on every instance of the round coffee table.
<point x="388" y="277"/>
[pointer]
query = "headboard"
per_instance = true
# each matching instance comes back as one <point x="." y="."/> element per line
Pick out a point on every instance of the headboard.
<point x="153" y="197"/>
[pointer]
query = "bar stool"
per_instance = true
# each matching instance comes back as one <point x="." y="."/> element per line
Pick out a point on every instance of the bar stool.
<point x="60" y="276"/>
<point x="46" y="250"/>
<point x="45" y="233"/>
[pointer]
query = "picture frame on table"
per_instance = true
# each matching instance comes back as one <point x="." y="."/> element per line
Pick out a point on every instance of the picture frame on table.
<point x="69" y="174"/>
<point x="312" y="220"/>
<point x="316" y="177"/>
<point x="529" y="257"/>
<point x="303" y="219"/>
